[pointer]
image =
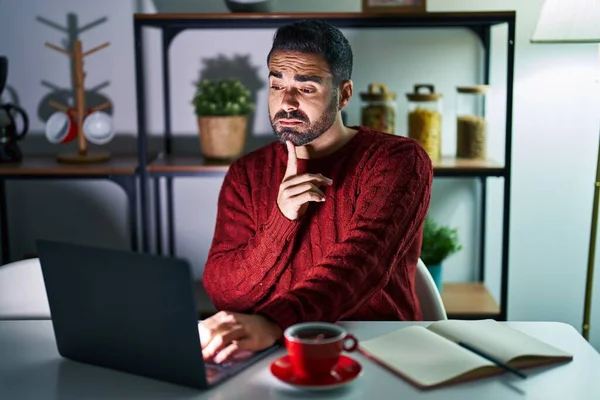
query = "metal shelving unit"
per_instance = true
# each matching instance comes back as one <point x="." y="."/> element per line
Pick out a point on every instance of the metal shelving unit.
<point x="468" y="300"/>
<point x="120" y="170"/>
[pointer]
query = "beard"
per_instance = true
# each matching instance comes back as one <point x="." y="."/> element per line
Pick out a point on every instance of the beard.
<point x="308" y="131"/>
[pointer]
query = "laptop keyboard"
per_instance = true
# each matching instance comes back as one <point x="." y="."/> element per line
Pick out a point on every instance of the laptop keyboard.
<point x="236" y="359"/>
<point x="215" y="372"/>
<point x="218" y="367"/>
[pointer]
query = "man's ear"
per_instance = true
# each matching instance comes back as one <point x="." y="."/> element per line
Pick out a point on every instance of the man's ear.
<point x="345" y="94"/>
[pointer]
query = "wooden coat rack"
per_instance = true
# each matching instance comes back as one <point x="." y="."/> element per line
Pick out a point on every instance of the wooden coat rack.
<point x="82" y="155"/>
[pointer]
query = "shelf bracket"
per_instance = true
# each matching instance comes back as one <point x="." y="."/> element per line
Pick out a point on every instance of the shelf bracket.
<point x="127" y="183"/>
<point x="483" y="32"/>
<point x="480" y="31"/>
<point x="169" y="34"/>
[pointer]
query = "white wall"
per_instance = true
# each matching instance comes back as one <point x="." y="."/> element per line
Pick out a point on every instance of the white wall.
<point x="554" y="138"/>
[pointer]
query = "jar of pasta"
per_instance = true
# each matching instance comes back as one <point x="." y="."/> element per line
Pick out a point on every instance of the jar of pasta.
<point x="425" y="119"/>
<point x="379" y="109"/>
<point x="471" y="125"/>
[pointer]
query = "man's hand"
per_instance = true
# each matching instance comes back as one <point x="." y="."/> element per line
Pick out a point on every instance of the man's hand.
<point x="225" y="334"/>
<point x="297" y="190"/>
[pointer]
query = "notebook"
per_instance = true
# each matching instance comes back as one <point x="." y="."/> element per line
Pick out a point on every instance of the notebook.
<point x="430" y="357"/>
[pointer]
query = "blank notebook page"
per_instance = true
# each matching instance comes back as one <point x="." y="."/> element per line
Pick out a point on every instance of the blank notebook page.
<point x="423" y="356"/>
<point x="499" y="341"/>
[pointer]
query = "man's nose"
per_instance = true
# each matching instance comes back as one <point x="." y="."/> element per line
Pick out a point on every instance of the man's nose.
<point x="290" y="101"/>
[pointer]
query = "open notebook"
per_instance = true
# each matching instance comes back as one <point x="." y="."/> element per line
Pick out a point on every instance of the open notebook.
<point x="430" y="356"/>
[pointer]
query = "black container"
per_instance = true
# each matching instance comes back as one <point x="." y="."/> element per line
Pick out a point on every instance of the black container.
<point x="245" y="7"/>
<point x="3" y="72"/>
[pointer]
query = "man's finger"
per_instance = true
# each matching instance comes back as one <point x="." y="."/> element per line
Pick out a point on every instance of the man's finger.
<point x="234" y="348"/>
<point x="227" y="353"/>
<point x="207" y="333"/>
<point x="304" y="187"/>
<point x="315" y="178"/>
<point x="222" y="340"/>
<point x="292" y="164"/>
<point x="305" y="197"/>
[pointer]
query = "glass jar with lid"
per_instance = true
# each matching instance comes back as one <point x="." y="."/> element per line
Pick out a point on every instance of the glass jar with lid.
<point x="379" y="109"/>
<point x="471" y="124"/>
<point x="425" y="118"/>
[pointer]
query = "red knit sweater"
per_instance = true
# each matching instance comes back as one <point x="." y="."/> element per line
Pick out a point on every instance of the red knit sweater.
<point x="352" y="257"/>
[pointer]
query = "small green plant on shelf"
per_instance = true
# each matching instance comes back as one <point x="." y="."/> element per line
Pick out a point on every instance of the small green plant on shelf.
<point x="223" y="97"/>
<point x="439" y="243"/>
<point x="222" y="108"/>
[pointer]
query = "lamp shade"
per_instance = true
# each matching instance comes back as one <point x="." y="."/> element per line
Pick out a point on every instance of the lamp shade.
<point x="568" y="21"/>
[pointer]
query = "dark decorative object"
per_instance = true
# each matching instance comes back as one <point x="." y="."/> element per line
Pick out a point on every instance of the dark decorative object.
<point x="394" y="6"/>
<point x="9" y="133"/>
<point x="3" y="72"/>
<point x="258" y="6"/>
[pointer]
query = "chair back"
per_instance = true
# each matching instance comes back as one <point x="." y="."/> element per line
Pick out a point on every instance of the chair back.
<point x="22" y="291"/>
<point x="429" y="297"/>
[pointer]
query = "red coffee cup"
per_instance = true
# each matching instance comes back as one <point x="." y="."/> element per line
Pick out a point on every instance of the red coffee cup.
<point x="314" y="348"/>
<point x="61" y="127"/>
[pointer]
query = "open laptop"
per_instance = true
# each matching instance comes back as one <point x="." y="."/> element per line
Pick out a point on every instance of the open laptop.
<point x="130" y="312"/>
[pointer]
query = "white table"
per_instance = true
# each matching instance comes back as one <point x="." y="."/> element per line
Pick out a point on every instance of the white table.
<point x="31" y="368"/>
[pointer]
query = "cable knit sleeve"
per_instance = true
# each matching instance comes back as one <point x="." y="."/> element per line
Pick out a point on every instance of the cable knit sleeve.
<point x="245" y="260"/>
<point x="394" y="196"/>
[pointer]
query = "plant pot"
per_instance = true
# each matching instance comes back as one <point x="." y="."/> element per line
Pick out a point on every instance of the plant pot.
<point x="436" y="274"/>
<point x="222" y="138"/>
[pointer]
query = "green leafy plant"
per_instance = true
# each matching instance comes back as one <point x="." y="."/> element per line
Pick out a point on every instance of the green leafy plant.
<point x="223" y="97"/>
<point x="439" y="242"/>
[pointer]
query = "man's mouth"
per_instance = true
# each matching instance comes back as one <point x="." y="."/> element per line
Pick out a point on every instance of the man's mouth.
<point x="290" y="122"/>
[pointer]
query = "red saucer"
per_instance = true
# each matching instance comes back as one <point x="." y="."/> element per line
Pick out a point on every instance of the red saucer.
<point x="344" y="372"/>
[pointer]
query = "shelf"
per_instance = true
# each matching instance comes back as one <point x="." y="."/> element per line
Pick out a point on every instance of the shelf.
<point x="197" y="165"/>
<point x="462" y="300"/>
<point x="40" y="166"/>
<point x="182" y="165"/>
<point x="346" y="20"/>
<point x="469" y="300"/>
<point x="465" y="300"/>
<point x="204" y="306"/>
<point x="450" y="166"/>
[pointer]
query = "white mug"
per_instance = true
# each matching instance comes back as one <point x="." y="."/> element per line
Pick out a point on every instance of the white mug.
<point x="98" y="127"/>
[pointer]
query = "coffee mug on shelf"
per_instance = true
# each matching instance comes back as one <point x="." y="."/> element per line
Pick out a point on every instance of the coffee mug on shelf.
<point x="98" y="127"/>
<point x="61" y="127"/>
<point x="314" y="348"/>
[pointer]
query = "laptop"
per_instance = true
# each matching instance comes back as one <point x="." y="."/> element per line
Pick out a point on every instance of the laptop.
<point x="130" y="312"/>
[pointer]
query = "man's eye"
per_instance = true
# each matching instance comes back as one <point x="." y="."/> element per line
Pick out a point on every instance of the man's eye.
<point x="308" y="90"/>
<point x="276" y="87"/>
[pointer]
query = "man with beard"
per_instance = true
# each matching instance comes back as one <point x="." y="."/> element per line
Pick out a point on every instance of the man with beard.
<point x="324" y="224"/>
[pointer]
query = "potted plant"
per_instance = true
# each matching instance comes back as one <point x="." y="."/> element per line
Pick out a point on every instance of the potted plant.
<point x="439" y="243"/>
<point x="222" y="107"/>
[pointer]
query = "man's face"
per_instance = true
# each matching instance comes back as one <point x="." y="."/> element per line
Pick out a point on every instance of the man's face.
<point x="303" y="102"/>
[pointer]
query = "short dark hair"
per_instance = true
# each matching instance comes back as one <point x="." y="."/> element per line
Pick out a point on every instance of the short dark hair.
<point x="314" y="36"/>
